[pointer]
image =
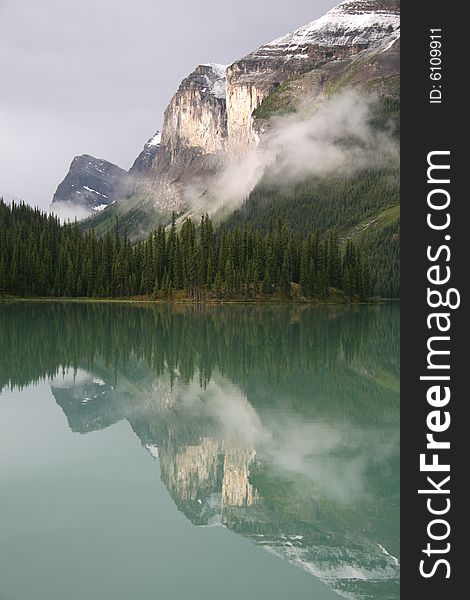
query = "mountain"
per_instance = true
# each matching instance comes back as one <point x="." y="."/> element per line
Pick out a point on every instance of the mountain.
<point x="190" y="146"/>
<point x="219" y="113"/>
<point x="219" y="128"/>
<point x="91" y="185"/>
<point x="363" y="206"/>
<point x="347" y="29"/>
<point x="144" y="160"/>
<point x="193" y="137"/>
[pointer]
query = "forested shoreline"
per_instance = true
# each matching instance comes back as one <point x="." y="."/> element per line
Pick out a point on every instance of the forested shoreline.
<point x="40" y="257"/>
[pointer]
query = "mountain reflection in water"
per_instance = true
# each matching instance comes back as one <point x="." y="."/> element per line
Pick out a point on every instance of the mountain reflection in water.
<point x="279" y="423"/>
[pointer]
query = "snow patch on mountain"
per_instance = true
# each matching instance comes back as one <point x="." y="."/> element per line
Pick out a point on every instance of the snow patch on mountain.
<point x="94" y="191"/>
<point x="350" y="23"/>
<point x="391" y="42"/>
<point x="155" y="140"/>
<point x="216" y="79"/>
<point x="350" y="565"/>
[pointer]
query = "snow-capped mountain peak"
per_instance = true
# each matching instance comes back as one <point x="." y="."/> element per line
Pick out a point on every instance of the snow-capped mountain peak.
<point x="215" y="78"/>
<point x="350" y="23"/>
<point x="90" y="185"/>
<point x="155" y="139"/>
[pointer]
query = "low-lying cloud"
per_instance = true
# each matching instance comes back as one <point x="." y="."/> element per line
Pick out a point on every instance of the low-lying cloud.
<point x="69" y="211"/>
<point x="334" y="137"/>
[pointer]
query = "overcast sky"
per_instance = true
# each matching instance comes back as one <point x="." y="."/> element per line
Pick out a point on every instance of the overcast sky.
<point x="94" y="76"/>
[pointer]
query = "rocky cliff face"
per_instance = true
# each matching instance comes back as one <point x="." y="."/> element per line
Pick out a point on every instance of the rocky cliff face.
<point x="193" y="137"/>
<point x="345" y="30"/>
<point x="236" y="487"/>
<point x="207" y="478"/>
<point x="145" y="159"/>
<point x="196" y="116"/>
<point x="212" y="111"/>
<point x="191" y="473"/>
<point x="91" y="184"/>
<point x="191" y="143"/>
<point x="210" y="118"/>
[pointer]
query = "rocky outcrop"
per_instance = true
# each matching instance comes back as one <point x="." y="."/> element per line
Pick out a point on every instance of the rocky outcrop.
<point x="145" y="159"/>
<point x="345" y="30"/>
<point x="210" y="118"/>
<point x="191" y="472"/>
<point x="91" y="185"/>
<point x="193" y="137"/>
<point x="211" y="114"/>
<point x="236" y="487"/>
<point x="196" y="116"/>
<point x="212" y="109"/>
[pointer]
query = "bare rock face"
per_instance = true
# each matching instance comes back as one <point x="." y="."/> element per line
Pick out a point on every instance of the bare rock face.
<point x="193" y="136"/>
<point x="91" y="184"/>
<point x="345" y="30"/>
<point x="236" y="487"/>
<point x="196" y="116"/>
<point x="145" y="159"/>
<point x="211" y="113"/>
<point x="191" y="472"/>
<point x="210" y="118"/>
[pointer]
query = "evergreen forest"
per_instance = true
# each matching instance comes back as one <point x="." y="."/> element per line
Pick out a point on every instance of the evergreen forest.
<point x="40" y="257"/>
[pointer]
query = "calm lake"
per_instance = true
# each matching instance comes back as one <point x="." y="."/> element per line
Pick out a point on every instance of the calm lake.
<point x="198" y="453"/>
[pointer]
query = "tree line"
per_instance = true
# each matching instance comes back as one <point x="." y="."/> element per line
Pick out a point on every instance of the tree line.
<point x="39" y="256"/>
<point x="276" y="346"/>
<point x="346" y="204"/>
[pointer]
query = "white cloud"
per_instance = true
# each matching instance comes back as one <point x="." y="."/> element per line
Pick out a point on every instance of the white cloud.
<point x="334" y="136"/>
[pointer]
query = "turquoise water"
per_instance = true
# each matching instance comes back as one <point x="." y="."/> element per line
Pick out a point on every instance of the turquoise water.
<point x="198" y="452"/>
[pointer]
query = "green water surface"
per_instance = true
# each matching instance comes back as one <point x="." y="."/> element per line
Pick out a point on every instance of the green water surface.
<point x="198" y="453"/>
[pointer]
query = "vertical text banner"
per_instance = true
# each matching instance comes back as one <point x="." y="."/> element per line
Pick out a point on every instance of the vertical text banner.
<point x="435" y="237"/>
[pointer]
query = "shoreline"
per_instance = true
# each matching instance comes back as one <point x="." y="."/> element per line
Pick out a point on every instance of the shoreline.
<point x="181" y="301"/>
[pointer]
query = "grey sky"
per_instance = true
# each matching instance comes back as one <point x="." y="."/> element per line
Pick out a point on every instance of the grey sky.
<point x="94" y="76"/>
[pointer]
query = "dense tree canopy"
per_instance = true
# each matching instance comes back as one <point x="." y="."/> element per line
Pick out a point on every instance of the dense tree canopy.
<point x="41" y="257"/>
<point x="363" y="206"/>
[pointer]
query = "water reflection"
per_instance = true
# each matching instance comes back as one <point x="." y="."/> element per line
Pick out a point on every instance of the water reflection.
<point x="278" y="423"/>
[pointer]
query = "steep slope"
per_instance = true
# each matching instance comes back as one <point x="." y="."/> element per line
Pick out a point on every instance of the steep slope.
<point x="347" y="29"/>
<point x="190" y="147"/>
<point x="210" y="117"/>
<point x="196" y="117"/>
<point x="220" y="115"/>
<point x="193" y="137"/>
<point x="194" y="127"/>
<point x="91" y="185"/>
<point x="363" y="206"/>
<point x="145" y="159"/>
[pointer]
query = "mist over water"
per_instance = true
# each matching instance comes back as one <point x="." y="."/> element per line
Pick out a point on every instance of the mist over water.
<point x="265" y="439"/>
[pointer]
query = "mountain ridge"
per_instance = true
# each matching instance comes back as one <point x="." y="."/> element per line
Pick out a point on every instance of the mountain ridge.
<point x="221" y="116"/>
<point x="211" y="113"/>
<point x="92" y="183"/>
